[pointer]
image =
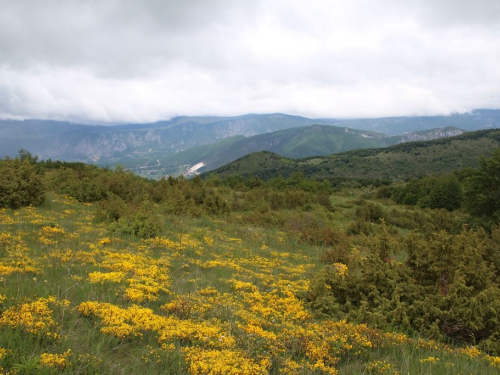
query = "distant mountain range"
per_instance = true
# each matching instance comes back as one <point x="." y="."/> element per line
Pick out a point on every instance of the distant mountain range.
<point x="185" y="143"/>
<point x="144" y="142"/>
<point x="398" y="162"/>
<point x="474" y="120"/>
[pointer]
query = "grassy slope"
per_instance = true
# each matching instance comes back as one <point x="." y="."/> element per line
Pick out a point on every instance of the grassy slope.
<point x="208" y="294"/>
<point x="396" y="162"/>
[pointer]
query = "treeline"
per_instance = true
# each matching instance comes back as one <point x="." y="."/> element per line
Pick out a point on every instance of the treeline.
<point x="24" y="180"/>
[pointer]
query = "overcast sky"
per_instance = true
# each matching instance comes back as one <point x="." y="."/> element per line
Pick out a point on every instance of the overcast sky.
<point x="146" y="60"/>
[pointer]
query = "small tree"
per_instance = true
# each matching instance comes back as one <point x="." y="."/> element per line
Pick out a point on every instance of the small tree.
<point x="446" y="193"/>
<point x="482" y="189"/>
<point x="20" y="185"/>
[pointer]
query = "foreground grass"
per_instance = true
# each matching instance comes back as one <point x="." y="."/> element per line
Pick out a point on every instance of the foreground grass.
<point x="206" y="297"/>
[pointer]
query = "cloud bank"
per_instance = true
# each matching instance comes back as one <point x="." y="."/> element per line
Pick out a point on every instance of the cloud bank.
<point x="130" y="61"/>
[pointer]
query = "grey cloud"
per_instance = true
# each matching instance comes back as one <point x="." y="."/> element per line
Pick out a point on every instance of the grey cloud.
<point x="482" y="13"/>
<point x="146" y="60"/>
<point x="108" y="36"/>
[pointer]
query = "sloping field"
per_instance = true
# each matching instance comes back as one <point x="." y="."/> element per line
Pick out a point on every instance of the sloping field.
<point x="206" y="297"/>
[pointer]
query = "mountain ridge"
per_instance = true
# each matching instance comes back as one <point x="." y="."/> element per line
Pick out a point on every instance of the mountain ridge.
<point x="397" y="162"/>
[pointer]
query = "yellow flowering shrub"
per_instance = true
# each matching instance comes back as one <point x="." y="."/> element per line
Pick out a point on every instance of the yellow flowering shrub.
<point x="381" y="367"/>
<point x="134" y="320"/>
<point x="51" y="235"/>
<point x="104" y="241"/>
<point x="57" y="361"/>
<point x="341" y="269"/>
<point x="5" y="240"/>
<point x="493" y="361"/>
<point x="81" y="257"/>
<point x="215" y="362"/>
<point x="4" y="352"/>
<point x="183" y="242"/>
<point x="33" y="317"/>
<point x="470" y="352"/>
<point x="16" y="257"/>
<point x="100" y="277"/>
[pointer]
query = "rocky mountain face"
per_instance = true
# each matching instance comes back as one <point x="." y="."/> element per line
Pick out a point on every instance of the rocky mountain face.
<point x="103" y="145"/>
<point x="427" y="135"/>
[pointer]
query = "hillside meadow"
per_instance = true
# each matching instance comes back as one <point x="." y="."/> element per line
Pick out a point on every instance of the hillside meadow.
<point x="105" y="272"/>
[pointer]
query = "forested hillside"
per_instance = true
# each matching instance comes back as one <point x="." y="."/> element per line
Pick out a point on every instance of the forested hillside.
<point x="308" y="141"/>
<point x="398" y="162"/>
<point x="106" y="272"/>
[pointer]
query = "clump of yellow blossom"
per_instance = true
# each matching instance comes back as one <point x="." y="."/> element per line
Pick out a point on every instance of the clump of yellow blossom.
<point x="101" y="277"/>
<point x="492" y="361"/>
<point x="429" y="360"/>
<point x="381" y="367"/>
<point x="33" y="317"/>
<point x="470" y="351"/>
<point x="341" y="269"/>
<point x="4" y="352"/>
<point x="50" y="235"/>
<point x="104" y="241"/>
<point x="57" y="361"/>
<point x="215" y="362"/>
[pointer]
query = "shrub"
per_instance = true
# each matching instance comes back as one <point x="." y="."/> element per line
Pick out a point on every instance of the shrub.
<point x="214" y="204"/>
<point x="20" y="184"/>
<point x="482" y="190"/>
<point x="360" y="226"/>
<point x="139" y="222"/>
<point x="383" y="192"/>
<point x="314" y="229"/>
<point x="111" y="209"/>
<point x="445" y="290"/>
<point x="370" y="212"/>
<point x="338" y="253"/>
<point x="446" y="193"/>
